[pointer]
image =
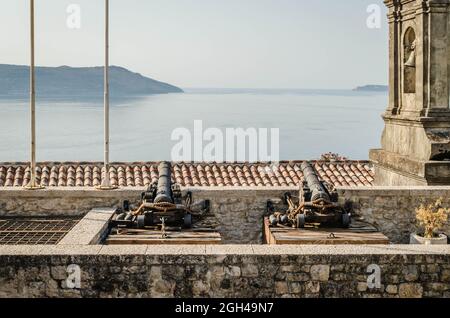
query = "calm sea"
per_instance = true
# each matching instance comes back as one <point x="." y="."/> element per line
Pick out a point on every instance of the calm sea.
<point x="311" y="122"/>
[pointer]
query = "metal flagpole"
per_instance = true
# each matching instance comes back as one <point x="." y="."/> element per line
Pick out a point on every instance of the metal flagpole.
<point x="106" y="182"/>
<point x="32" y="185"/>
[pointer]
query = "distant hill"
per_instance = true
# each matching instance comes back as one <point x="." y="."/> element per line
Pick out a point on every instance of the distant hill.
<point x="78" y="81"/>
<point x="372" y="88"/>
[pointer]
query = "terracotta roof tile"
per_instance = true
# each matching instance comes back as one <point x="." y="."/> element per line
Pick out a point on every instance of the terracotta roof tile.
<point x="88" y="174"/>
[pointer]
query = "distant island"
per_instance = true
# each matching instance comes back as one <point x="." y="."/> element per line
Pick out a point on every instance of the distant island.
<point x="78" y="81"/>
<point x="372" y="88"/>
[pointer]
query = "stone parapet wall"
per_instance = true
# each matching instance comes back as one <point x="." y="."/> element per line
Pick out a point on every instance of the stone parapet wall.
<point x="392" y="209"/>
<point x="225" y="271"/>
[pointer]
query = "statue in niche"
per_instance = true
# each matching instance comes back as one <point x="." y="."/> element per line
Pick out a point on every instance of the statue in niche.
<point x="411" y="62"/>
<point x="409" y="75"/>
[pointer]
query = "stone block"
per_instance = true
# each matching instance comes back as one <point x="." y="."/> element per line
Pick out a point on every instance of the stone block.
<point x="361" y="287"/>
<point x="249" y="270"/>
<point x="163" y="289"/>
<point x="289" y="268"/>
<point x="233" y="271"/>
<point x="312" y="287"/>
<point x="295" y="288"/>
<point x="445" y="275"/>
<point x="297" y="277"/>
<point x="217" y="271"/>
<point x="391" y="289"/>
<point x="320" y="273"/>
<point x="409" y="290"/>
<point x="155" y="273"/>
<point x="439" y="287"/>
<point x="410" y="273"/>
<point x="281" y="288"/>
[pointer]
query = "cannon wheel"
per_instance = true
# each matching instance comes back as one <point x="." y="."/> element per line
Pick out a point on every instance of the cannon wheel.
<point x="346" y="220"/>
<point x="273" y="220"/>
<point x="187" y="221"/>
<point x="140" y="221"/>
<point x="301" y="221"/>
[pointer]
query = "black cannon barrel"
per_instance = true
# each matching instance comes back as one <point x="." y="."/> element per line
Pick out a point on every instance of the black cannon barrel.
<point x="317" y="189"/>
<point x="164" y="191"/>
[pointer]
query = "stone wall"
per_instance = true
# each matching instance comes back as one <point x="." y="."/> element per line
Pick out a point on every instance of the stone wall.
<point x="392" y="209"/>
<point x="225" y="271"/>
<point x="17" y="202"/>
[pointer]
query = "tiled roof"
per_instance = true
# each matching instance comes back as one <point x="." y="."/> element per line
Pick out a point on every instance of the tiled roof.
<point x="89" y="174"/>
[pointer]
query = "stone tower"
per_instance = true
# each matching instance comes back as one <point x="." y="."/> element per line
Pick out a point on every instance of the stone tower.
<point x="416" y="139"/>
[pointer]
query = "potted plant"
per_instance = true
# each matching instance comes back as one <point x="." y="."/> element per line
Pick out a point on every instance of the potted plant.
<point x="431" y="219"/>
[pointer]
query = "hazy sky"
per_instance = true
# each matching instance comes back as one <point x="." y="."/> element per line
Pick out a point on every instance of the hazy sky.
<point x="210" y="43"/>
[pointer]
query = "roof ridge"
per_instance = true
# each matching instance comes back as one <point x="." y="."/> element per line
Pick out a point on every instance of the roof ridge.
<point x="23" y="163"/>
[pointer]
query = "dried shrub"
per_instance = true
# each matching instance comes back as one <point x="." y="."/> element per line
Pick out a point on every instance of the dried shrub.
<point x="432" y="217"/>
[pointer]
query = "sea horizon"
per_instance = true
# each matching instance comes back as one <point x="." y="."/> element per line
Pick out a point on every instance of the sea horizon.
<point x="208" y="90"/>
<point x="311" y="122"/>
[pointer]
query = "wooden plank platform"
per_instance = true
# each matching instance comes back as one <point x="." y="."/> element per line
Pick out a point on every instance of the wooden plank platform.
<point x="322" y="236"/>
<point x="152" y="237"/>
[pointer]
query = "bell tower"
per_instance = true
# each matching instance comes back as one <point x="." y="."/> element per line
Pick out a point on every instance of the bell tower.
<point x="416" y="138"/>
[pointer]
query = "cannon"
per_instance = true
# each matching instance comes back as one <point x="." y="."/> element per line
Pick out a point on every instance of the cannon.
<point x="317" y="205"/>
<point x="162" y="204"/>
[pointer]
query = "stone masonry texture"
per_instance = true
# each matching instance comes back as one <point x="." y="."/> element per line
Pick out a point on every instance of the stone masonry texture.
<point x="229" y="274"/>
